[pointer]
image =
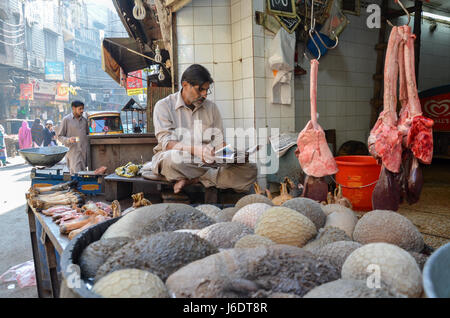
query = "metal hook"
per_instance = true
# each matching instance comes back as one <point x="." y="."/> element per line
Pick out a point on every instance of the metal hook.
<point x="323" y="43"/>
<point x="404" y="9"/>
<point x="317" y="46"/>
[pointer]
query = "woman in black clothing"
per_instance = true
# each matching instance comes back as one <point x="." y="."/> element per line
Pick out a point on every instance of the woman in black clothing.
<point x="37" y="133"/>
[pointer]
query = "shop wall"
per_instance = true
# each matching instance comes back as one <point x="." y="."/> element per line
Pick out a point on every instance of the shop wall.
<point x="344" y="85"/>
<point x="204" y="37"/>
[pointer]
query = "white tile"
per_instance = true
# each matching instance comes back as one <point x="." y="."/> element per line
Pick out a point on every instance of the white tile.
<point x="248" y="88"/>
<point x="247" y="47"/>
<point x="185" y="54"/>
<point x="274" y="122"/>
<point x="223" y="72"/>
<point x="259" y="45"/>
<point x="236" y="12"/>
<point x="204" y="54"/>
<point x="185" y="34"/>
<point x="222" y="53"/>
<point x="247" y="68"/>
<point x="261" y="123"/>
<point x="239" y="123"/>
<point x="226" y="108"/>
<point x="202" y="16"/>
<point x="260" y="87"/>
<point x="287" y="124"/>
<point x="249" y="123"/>
<point x="246" y="9"/>
<point x="221" y="34"/>
<point x="185" y="16"/>
<point x="227" y="123"/>
<point x="237" y="70"/>
<point x="201" y="3"/>
<point x="237" y="87"/>
<point x="238" y="110"/>
<point x="248" y="107"/>
<point x="260" y="108"/>
<point x="247" y="27"/>
<point x="203" y="34"/>
<point x="221" y="15"/>
<point x="259" y="67"/>
<point x="237" y="51"/>
<point x="182" y="68"/>
<point x="221" y="3"/>
<point x="236" y="31"/>
<point x="259" y="5"/>
<point x="272" y="110"/>
<point x="223" y="90"/>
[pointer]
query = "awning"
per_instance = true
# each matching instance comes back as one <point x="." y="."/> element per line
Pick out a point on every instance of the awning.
<point x="133" y="105"/>
<point x="117" y="53"/>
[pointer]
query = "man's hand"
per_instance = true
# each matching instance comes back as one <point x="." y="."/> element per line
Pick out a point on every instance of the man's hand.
<point x="208" y="155"/>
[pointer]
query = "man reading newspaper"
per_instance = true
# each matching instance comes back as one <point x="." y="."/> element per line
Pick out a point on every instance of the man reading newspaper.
<point x="189" y="130"/>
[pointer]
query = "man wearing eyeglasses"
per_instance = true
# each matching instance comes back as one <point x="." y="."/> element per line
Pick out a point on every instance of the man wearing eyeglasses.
<point x="189" y="128"/>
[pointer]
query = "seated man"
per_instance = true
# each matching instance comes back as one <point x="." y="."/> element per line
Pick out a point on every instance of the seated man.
<point x="189" y="129"/>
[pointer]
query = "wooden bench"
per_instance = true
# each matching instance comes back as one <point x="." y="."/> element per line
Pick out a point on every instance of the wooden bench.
<point x="118" y="188"/>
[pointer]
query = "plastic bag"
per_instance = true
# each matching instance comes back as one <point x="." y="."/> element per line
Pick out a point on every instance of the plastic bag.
<point x="335" y="23"/>
<point x="23" y="273"/>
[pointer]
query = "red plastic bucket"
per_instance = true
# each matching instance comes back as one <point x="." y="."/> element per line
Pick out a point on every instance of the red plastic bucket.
<point x="358" y="175"/>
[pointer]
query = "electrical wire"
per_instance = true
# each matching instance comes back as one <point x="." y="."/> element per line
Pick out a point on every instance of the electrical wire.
<point x="11" y="25"/>
<point x="12" y="37"/>
<point x="9" y="44"/>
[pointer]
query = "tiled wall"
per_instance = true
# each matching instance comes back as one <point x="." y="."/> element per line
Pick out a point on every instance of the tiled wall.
<point x="204" y="37"/>
<point x="344" y="85"/>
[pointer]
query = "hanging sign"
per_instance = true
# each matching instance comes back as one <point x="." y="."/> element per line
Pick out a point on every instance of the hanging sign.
<point x="135" y="84"/>
<point x="26" y="91"/>
<point x="62" y="92"/>
<point x="44" y="91"/>
<point x="54" y="71"/>
<point x="282" y="7"/>
<point x="289" y="24"/>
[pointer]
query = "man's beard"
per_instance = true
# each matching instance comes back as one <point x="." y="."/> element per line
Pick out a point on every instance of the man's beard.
<point x="199" y="101"/>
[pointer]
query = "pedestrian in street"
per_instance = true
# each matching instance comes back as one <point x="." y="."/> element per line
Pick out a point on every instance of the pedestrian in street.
<point x="25" y="138"/>
<point x="49" y="134"/>
<point x="37" y="133"/>
<point x="73" y="133"/>
<point x="141" y="125"/>
<point x="3" y="155"/>
<point x="136" y="127"/>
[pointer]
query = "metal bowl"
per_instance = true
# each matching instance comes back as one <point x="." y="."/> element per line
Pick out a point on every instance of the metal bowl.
<point x="436" y="273"/>
<point x="44" y="156"/>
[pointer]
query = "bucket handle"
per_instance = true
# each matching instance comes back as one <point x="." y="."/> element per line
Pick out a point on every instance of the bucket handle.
<point x="360" y="187"/>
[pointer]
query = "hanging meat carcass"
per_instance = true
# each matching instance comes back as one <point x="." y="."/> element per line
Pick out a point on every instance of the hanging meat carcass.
<point x="385" y="141"/>
<point x="415" y="130"/>
<point x="313" y="152"/>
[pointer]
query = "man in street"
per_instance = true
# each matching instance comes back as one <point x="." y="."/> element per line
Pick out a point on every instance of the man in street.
<point x="136" y="127"/>
<point x="49" y="134"/>
<point x="178" y="119"/>
<point x="73" y="133"/>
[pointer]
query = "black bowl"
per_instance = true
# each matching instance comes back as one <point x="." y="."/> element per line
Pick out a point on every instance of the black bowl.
<point x="44" y="156"/>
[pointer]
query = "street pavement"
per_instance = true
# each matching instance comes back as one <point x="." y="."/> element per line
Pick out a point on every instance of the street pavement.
<point x="15" y="243"/>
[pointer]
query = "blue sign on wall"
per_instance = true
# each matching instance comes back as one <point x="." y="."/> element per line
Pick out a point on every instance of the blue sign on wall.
<point x="54" y="71"/>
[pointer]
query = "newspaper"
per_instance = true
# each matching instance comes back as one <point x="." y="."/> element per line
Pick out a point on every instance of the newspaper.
<point x="229" y="155"/>
<point x="283" y="142"/>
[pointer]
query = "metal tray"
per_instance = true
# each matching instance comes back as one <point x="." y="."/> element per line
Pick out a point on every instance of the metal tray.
<point x="44" y="156"/>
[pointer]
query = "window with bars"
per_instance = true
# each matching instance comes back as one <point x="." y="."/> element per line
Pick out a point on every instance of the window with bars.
<point x="50" y="46"/>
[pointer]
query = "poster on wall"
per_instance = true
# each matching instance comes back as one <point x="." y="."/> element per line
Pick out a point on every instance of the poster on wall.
<point x="43" y="91"/>
<point x="54" y="71"/>
<point x="26" y="91"/>
<point x="62" y="92"/>
<point x="135" y="84"/>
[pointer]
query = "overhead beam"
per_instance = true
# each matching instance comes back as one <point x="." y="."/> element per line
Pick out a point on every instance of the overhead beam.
<point x="176" y="5"/>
